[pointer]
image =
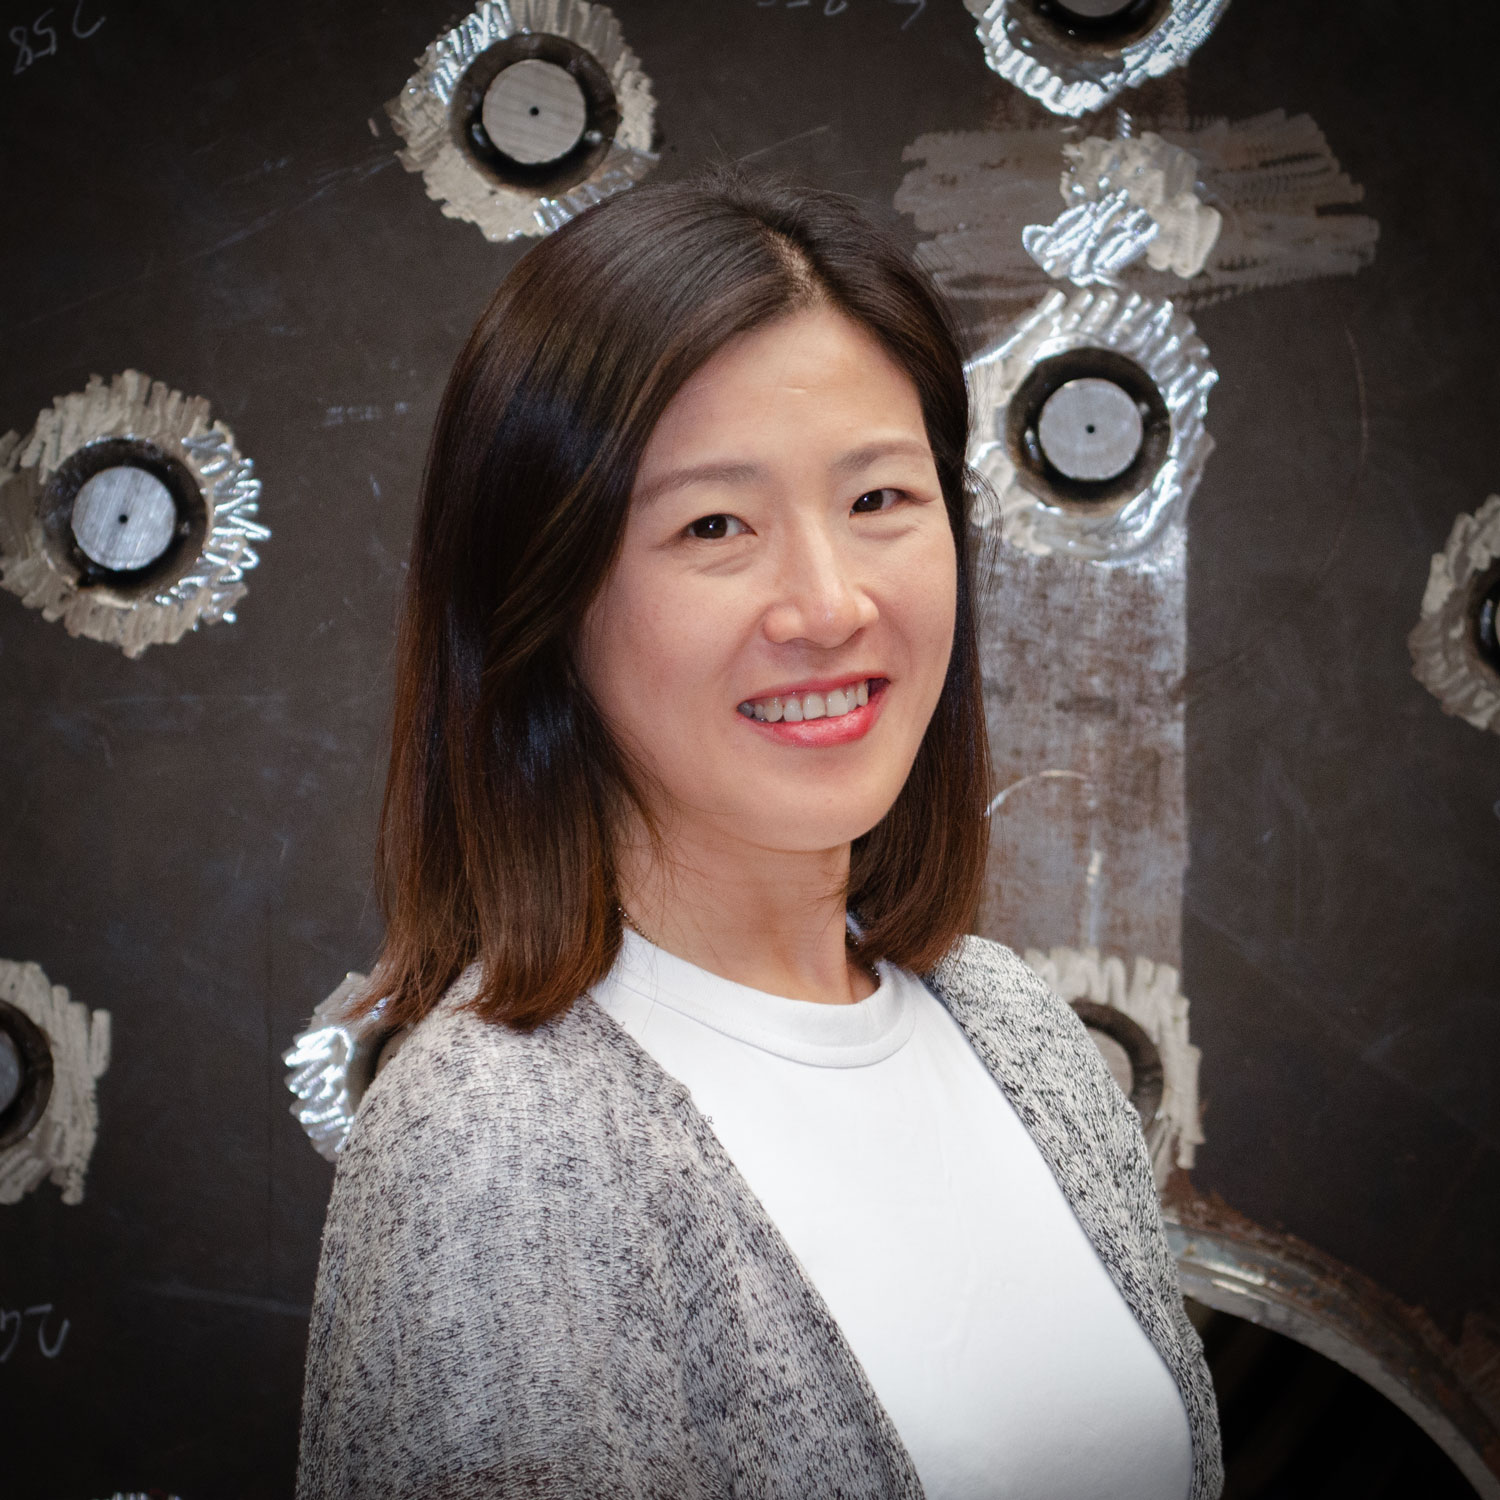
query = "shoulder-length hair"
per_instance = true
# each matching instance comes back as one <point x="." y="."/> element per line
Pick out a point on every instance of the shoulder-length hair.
<point x="495" y="836"/>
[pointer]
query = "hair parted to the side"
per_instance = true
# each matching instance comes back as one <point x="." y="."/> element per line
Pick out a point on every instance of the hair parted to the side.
<point x="495" y="834"/>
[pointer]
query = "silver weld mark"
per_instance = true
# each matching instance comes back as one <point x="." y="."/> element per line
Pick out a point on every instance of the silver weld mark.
<point x="1156" y="338"/>
<point x="1458" y="621"/>
<point x="423" y="115"/>
<point x="332" y="1063"/>
<point x="1277" y="188"/>
<point x="130" y="414"/>
<point x="1150" y="997"/>
<point x="1127" y="199"/>
<point x="59" y="1145"/>
<point x="1071" y="77"/>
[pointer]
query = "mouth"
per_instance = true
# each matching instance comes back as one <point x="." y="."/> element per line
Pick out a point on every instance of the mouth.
<point x="830" y="713"/>
<point x="802" y="705"/>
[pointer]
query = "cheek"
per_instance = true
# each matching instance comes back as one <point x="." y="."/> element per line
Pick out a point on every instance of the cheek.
<point x="641" y="655"/>
<point x="928" y="602"/>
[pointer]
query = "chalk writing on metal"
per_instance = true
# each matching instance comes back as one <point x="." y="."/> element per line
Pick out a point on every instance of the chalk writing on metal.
<point x="838" y="7"/>
<point x="27" y="40"/>
<point x="12" y="1325"/>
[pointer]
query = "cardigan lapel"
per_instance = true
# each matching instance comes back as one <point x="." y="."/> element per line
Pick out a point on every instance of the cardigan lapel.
<point x="1044" y="1062"/>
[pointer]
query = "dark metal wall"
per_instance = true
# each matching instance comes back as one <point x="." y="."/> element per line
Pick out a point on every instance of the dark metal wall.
<point x="210" y="194"/>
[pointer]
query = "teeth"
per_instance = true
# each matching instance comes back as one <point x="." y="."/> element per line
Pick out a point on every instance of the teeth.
<point x="795" y="709"/>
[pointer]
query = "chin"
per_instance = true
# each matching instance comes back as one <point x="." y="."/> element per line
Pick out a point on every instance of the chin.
<point x="799" y="827"/>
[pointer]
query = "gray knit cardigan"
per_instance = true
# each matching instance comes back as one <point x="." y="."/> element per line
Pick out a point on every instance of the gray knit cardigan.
<point x="543" y="1276"/>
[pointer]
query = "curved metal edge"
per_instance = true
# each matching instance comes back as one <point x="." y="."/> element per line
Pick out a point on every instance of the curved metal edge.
<point x="1077" y="85"/>
<point x="1293" y="1290"/>
<point x="1163" y="341"/>
<point x="131" y="405"/>
<point x="1444" y="658"/>
<point x="419" y="114"/>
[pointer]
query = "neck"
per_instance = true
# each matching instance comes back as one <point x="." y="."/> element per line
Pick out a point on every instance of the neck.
<point x="772" y="919"/>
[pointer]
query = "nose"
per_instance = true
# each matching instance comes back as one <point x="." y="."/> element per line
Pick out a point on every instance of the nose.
<point x="819" y="596"/>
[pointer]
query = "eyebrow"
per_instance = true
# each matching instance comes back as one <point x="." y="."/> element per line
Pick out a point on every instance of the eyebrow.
<point x="847" y="464"/>
<point x="861" y="458"/>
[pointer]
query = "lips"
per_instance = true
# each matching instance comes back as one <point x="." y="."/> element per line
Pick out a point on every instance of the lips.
<point x="858" y="702"/>
<point x="798" y="707"/>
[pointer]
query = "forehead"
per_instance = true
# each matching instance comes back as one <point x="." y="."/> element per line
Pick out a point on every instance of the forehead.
<point x="813" y="375"/>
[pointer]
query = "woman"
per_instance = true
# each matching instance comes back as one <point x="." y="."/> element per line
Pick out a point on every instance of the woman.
<point x="683" y="1183"/>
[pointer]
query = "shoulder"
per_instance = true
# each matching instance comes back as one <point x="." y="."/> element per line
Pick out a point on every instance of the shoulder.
<point x="983" y="981"/>
<point x="466" y="1101"/>
<point x="981" y="963"/>
<point x="1034" y="1044"/>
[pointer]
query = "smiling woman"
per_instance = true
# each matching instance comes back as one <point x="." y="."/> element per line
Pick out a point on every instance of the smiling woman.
<point x="805" y="1193"/>
<point x="786" y="581"/>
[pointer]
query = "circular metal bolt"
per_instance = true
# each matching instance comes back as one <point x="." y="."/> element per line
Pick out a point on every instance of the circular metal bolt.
<point x="1090" y="429"/>
<point x="534" y="111"/>
<point x="10" y="1072"/>
<point x="124" y="518"/>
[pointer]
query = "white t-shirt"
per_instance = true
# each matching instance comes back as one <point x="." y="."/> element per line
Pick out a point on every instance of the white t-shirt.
<point x="921" y="1209"/>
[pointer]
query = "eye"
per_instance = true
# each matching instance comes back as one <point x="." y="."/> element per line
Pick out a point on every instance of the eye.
<point x="872" y="502"/>
<point x="714" y="528"/>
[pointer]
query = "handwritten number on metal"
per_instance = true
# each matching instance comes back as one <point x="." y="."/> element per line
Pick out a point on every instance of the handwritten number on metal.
<point x="39" y="28"/>
<point x="28" y="42"/>
<point x="12" y="1320"/>
<point x="7" y="1317"/>
<point x="838" y="7"/>
<point x="84" y="32"/>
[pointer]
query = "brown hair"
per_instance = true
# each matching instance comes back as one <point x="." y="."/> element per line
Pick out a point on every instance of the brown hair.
<point x="495" y="830"/>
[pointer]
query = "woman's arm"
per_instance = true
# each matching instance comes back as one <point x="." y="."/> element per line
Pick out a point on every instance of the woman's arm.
<point x="463" y="1334"/>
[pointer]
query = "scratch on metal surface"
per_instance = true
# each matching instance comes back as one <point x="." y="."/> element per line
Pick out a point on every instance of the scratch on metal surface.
<point x="250" y="1303"/>
<point x="1091" y="894"/>
<point x="61" y="1143"/>
<point x="802" y="135"/>
<point x="1001" y="797"/>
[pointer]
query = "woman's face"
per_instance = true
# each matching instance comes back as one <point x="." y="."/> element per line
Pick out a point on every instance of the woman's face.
<point x="773" y="637"/>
